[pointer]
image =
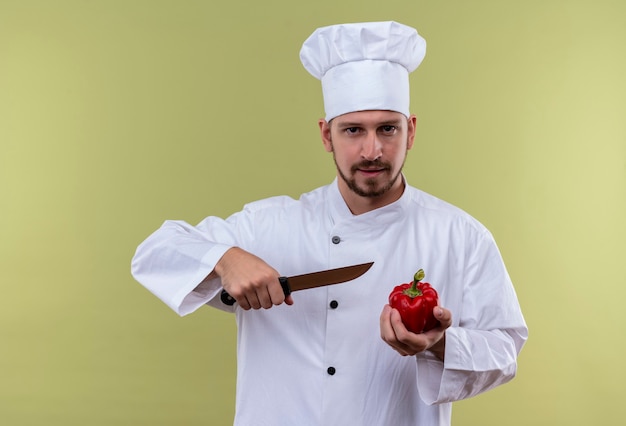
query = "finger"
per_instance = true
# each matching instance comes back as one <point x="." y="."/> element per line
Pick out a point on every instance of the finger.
<point x="253" y="300"/>
<point x="400" y="332"/>
<point x="264" y="297"/>
<point x="443" y="315"/>
<point x="243" y="303"/>
<point x="399" y="329"/>
<point x="408" y="342"/>
<point x="276" y="294"/>
<point x="289" y="300"/>
<point x="386" y="330"/>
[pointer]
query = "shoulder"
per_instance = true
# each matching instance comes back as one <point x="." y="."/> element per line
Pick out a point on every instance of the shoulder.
<point x="286" y="203"/>
<point x="430" y="206"/>
<point x="271" y="203"/>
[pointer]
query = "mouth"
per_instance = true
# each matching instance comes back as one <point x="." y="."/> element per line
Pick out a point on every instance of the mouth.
<point x="371" y="169"/>
<point x="371" y="172"/>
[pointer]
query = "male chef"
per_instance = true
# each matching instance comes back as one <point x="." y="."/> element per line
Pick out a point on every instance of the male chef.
<point x="339" y="354"/>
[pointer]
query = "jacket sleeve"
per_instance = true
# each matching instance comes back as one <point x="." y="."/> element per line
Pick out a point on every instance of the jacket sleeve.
<point x="487" y="336"/>
<point x="174" y="262"/>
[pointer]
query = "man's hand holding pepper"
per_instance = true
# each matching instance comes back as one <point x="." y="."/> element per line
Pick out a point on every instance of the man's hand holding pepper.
<point x="395" y="334"/>
<point x="249" y="280"/>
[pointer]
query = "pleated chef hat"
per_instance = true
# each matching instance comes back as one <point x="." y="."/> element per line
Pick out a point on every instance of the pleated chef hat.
<point x="363" y="66"/>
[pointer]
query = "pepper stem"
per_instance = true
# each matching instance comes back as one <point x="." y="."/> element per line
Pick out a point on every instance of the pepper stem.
<point x="413" y="291"/>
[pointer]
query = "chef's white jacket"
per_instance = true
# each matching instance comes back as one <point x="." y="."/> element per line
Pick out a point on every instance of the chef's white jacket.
<point x="321" y="361"/>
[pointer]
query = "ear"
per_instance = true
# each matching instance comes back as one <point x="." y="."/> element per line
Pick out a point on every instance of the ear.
<point x="325" y="134"/>
<point x="411" y="124"/>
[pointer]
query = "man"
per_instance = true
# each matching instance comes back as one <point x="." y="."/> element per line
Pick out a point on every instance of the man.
<point x="340" y="355"/>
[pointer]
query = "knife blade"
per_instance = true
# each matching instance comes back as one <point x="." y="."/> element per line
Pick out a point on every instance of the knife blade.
<point x="313" y="280"/>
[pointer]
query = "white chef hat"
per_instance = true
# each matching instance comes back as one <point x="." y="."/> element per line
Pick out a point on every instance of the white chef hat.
<point x="363" y="66"/>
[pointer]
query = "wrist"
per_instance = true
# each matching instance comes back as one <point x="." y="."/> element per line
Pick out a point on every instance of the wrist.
<point x="222" y="264"/>
<point x="439" y="348"/>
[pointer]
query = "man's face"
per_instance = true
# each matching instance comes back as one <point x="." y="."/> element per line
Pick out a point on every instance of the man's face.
<point x="369" y="148"/>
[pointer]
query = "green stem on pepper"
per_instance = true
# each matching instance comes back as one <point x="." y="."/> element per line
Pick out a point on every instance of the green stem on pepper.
<point x="413" y="291"/>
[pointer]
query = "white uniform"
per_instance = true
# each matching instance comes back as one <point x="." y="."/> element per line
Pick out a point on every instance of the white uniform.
<point x="322" y="361"/>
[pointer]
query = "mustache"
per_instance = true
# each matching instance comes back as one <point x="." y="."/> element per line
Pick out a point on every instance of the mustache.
<point x="375" y="164"/>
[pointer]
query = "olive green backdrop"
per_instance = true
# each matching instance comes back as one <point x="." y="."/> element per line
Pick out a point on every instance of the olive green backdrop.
<point x="116" y="115"/>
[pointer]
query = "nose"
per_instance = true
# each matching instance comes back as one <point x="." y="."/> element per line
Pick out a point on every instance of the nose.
<point x="371" y="148"/>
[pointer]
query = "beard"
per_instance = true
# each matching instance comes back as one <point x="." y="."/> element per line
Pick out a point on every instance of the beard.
<point x="372" y="187"/>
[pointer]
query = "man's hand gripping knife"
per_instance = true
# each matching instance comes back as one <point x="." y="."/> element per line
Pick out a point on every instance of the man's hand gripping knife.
<point x="250" y="280"/>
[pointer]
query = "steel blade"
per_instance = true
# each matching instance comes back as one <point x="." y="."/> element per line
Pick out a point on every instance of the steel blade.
<point x="328" y="277"/>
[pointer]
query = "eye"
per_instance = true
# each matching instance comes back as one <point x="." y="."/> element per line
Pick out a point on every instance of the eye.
<point x="388" y="129"/>
<point x="352" y="130"/>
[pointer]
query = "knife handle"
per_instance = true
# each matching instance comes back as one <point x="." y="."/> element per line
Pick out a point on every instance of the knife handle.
<point x="227" y="299"/>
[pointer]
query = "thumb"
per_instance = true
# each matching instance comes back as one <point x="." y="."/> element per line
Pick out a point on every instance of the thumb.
<point x="443" y="315"/>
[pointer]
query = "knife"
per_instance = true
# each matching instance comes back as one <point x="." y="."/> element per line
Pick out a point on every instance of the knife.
<point x="313" y="279"/>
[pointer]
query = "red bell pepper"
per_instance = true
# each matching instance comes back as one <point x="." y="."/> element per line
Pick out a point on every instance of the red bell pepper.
<point x="415" y="302"/>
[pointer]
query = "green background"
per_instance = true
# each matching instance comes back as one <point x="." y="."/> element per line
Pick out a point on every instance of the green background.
<point x="116" y="115"/>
